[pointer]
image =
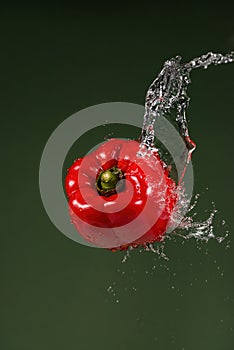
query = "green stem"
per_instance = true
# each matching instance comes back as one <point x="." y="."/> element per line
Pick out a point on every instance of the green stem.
<point x="107" y="181"/>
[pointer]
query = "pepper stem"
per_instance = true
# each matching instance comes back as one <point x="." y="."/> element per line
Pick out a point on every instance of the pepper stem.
<point x="107" y="181"/>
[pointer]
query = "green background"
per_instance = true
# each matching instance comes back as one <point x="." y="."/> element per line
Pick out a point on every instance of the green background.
<point x="58" y="58"/>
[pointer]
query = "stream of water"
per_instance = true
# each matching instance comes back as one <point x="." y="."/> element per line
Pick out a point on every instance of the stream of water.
<point x="166" y="96"/>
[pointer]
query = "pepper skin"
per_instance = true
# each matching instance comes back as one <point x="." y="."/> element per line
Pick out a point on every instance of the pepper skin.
<point x="117" y="199"/>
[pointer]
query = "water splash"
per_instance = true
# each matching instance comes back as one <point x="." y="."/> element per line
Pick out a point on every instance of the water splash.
<point x="167" y="96"/>
<point x="201" y="230"/>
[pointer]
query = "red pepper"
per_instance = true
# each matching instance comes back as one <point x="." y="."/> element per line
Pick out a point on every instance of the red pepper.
<point x="117" y="199"/>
